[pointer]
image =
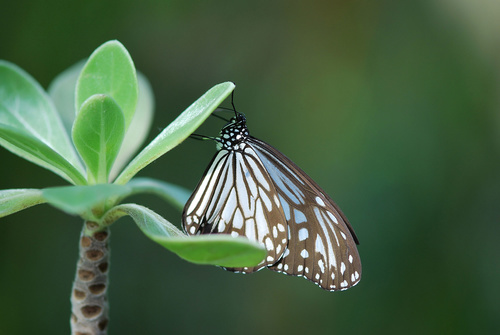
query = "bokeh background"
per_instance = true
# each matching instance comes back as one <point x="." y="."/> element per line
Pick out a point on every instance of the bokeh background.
<point x="392" y="106"/>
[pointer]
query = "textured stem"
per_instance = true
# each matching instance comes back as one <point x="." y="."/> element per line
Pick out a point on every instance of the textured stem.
<point x="89" y="302"/>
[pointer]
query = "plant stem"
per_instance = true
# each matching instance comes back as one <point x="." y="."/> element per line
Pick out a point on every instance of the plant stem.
<point x="89" y="303"/>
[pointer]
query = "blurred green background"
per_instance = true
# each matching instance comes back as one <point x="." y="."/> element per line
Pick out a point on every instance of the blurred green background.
<point x="391" y="106"/>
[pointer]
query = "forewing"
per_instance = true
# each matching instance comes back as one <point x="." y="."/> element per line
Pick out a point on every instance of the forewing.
<point x="322" y="244"/>
<point x="236" y="196"/>
<point x="197" y="204"/>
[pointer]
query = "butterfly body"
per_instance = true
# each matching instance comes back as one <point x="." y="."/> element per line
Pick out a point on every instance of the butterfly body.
<point x="251" y="189"/>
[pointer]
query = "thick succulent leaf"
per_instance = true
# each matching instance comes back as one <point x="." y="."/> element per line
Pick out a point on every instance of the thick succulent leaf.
<point x="138" y="130"/>
<point x="109" y="70"/>
<point x="98" y="134"/>
<point x="176" y="132"/>
<point x="216" y="249"/>
<point x="148" y="221"/>
<point x="62" y="92"/>
<point x="174" y="194"/>
<point x="83" y="199"/>
<point x="27" y="109"/>
<point x="32" y="149"/>
<point x="222" y="250"/>
<point x="12" y="201"/>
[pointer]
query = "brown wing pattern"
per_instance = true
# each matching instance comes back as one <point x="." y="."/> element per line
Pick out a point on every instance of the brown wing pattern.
<point x="322" y="243"/>
<point x="253" y="190"/>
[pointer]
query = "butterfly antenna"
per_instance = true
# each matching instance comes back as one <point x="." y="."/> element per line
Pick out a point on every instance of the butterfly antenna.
<point x="236" y="113"/>
<point x="202" y="137"/>
<point x="218" y="116"/>
<point x="232" y="103"/>
<point x="225" y="109"/>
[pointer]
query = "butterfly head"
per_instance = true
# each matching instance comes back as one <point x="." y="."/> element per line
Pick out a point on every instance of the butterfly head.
<point x="233" y="134"/>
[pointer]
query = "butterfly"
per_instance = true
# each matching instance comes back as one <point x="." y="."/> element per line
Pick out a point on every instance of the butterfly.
<point x="251" y="189"/>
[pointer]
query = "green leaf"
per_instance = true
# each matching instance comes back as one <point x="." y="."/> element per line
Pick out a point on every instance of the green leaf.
<point x="26" y="109"/>
<point x="12" y="201"/>
<point x="39" y="153"/>
<point x="98" y="134"/>
<point x="82" y="199"/>
<point x="138" y="130"/>
<point x="62" y="92"/>
<point x="174" y="194"/>
<point x="176" y="132"/>
<point x="216" y="249"/>
<point x="109" y="70"/>
<point x="148" y="221"/>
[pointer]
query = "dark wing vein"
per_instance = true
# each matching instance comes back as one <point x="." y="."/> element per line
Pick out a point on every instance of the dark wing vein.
<point x="236" y="196"/>
<point x="322" y="243"/>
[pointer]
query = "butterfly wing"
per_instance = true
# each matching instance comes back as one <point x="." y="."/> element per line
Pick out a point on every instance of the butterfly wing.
<point x="236" y="196"/>
<point x="322" y="243"/>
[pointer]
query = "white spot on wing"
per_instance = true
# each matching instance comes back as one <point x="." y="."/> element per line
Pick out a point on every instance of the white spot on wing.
<point x="321" y="265"/>
<point x="304" y="253"/>
<point x="299" y="216"/>
<point x="332" y="217"/>
<point x="250" y="229"/>
<point x="303" y="234"/>
<point x="276" y="201"/>
<point x="238" y="219"/>
<point x="278" y="249"/>
<point x="320" y="201"/>
<point x="269" y="244"/>
<point x="275" y="232"/>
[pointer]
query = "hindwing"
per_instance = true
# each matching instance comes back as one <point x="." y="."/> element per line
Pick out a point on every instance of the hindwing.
<point x="322" y="243"/>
